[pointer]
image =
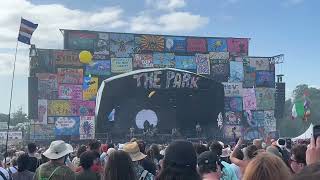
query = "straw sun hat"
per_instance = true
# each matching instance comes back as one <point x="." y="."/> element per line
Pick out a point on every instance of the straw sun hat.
<point x="132" y="148"/>
<point x="58" y="149"/>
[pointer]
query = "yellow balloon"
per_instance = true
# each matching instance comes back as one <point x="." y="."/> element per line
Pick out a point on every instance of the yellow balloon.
<point x="85" y="57"/>
<point x="151" y="94"/>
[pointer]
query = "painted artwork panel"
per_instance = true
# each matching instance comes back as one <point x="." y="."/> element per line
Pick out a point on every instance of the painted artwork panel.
<point x="249" y="77"/>
<point x="260" y="63"/>
<point x="142" y="61"/>
<point x="249" y="99"/>
<point x="70" y="91"/>
<point x="265" y="98"/>
<point x="87" y="127"/>
<point x="81" y="40"/>
<point x="185" y="62"/>
<point x="196" y="45"/>
<point x="99" y="68"/>
<point x="218" y="55"/>
<point x="101" y="47"/>
<point x="232" y="131"/>
<point x="90" y="88"/>
<point x="217" y="45"/>
<point x="203" y="64"/>
<point x="232" y="89"/>
<point x="47" y="86"/>
<point x="163" y="60"/>
<point x="66" y="58"/>
<point x="233" y="104"/>
<point x="236" y="72"/>
<point x="265" y="79"/>
<point x="59" y="108"/>
<point x="238" y="47"/>
<point x="45" y="61"/>
<point x="121" y="45"/>
<point x="220" y="71"/>
<point x="233" y="118"/>
<point x="67" y="126"/>
<point x="258" y="118"/>
<point x="42" y="112"/>
<point x="121" y="65"/>
<point x="70" y="76"/>
<point x="270" y="121"/>
<point x="148" y="43"/>
<point x="176" y="44"/>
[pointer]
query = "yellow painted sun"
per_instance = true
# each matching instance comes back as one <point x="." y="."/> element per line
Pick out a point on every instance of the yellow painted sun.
<point x="152" y="43"/>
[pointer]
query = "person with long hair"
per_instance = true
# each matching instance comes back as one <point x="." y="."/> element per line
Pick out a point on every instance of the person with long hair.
<point x="119" y="167"/>
<point x="23" y="165"/>
<point x="179" y="163"/>
<point x="266" y="166"/>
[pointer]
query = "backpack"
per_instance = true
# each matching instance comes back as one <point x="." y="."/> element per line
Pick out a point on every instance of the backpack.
<point x="143" y="175"/>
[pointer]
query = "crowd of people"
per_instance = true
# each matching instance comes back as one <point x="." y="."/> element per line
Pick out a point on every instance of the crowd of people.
<point x="179" y="160"/>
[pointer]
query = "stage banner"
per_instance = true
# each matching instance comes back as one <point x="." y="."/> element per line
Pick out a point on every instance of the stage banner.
<point x="149" y="43"/>
<point x="265" y="79"/>
<point x="66" y="58"/>
<point x="260" y="63"/>
<point x="249" y="99"/>
<point x="47" y="86"/>
<point x="163" y="60"/>
<point x="185" y="62"/>
<point x="142" y="61"/>
<point x="59" y="108"/>
<point x="121" y="45"/>
<point x="90" y="88"/>
<point x="121" y="65"/>
<point x="70" y="76"/>
<point x="42" y="112"/>
<point x="99" y="68"/>
<point x="87" y="127"/>
<point x="236" y="71"/>
<point x="249" y="77"/>
<point x="70" y="91"/>
<point x="81" y="40"/>
<point x="83" y="108"/>
<point x="220" y="71"/>
<point x="233" y="104"/>
<point x="42" y="132"/>
<point x="232" y="89"/>
<point x="238" y="47"/>
<point x="265" y="98"/>
<point x="269" y="121"/>
<point x="217" y="45"/>
<point x="233" y="118"/>
<point x="67" y="126"/>
<point x="196" y="45"/>
<point x="101" y="47"/>
<point x="258" y="119"/>
<point x="176" y="44"/>
<point x="218" y="55"/>
<point x="203" y="64"/>
<point x="232" y="131"/>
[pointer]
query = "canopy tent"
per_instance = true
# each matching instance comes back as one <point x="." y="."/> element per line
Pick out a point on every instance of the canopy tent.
<point x="179" y="99"/>
<point x="306" y="135"/>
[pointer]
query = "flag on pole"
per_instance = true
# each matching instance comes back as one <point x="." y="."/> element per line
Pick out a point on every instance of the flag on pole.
<point x="112" y="115"/>
<point x="26" y="30"/>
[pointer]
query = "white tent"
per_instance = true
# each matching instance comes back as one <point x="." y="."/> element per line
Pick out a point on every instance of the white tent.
<point x="306" y="135"/>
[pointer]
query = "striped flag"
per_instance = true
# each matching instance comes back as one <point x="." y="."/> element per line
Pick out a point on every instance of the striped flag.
<point x="26" y="30"/>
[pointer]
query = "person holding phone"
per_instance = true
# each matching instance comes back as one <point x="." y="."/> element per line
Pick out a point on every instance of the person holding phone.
<point x="313" y="151"/>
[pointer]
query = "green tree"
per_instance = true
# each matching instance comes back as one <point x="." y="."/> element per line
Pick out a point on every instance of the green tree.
<point x="18" y="117"/>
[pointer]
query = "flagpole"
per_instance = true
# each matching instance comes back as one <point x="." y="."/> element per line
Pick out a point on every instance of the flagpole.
<point x="10" y="104"/>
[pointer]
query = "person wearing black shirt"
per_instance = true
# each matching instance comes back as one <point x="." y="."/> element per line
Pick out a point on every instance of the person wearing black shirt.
<point x="33" y="161"/>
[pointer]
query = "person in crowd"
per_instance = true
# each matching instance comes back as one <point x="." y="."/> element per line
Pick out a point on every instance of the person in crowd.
<point x="313" y="151"/>
<point x="298" y="158"/>
<point x="199" y="148"/>
<point x="180" y="162"/>
<point x="266" y="166"/>
<point x="86" y="162"/>
<point x="209" y="166"/>
<point x="76" y="160"/>
<point x="23" y="173"/>
<point x="119" y="167"/>
<point x="225" y="156"/>
<point x="104" y="150"/>
<point x="55" y="169"/>
<point x="34" y="162"/>
<point x="147" y="163"/>
<point x="95" y="145"/>
<point x="249" y="154"/>
<point x="274" y="150"/>
<point x="258" y="143"/>
<point x="132" y="148"/>
<point x="281" y="145"/>
<point x="13" y="166"/>
<point x="310" y="172"/>
<point x="239" y="155"/>
<point x="4" y="174"/>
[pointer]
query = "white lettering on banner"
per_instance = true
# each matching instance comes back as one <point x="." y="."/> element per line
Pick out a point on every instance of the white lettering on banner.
<point x="173" y="80"/>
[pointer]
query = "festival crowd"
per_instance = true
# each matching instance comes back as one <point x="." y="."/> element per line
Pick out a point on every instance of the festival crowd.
<point x="179" y="160"/>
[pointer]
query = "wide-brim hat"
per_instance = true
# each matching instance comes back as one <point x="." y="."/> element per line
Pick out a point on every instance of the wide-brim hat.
<point x="58" y="149"/>
<point x="132" y="148"/>
<point x="226" y="152"/>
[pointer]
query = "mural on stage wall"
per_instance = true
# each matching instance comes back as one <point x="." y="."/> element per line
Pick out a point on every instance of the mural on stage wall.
<point x="67" y="89"/>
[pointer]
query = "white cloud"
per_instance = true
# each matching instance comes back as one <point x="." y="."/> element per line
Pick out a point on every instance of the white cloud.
<point x="167" y="5"/>
<point x="172" y="22"/>
<point x="7" y="59"/>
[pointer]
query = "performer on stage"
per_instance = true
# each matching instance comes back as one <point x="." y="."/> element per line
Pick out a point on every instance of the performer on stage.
<point x="198" y="129"/>
<point x="131" y="132"/>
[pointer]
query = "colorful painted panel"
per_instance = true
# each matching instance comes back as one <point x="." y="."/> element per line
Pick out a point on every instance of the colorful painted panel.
<point x="121" y="65"/>
<point x="249" y="77"/>
<point x="196" y="45"/>
<point x="217" y="45"/>
<point x="87" y="127"/>
<point x="233" y="104"/>
<point x="265" y="79"/>
<point x="258" y="118"/>
<point x="142" y="61"/>
<point x="220" y="71"/>
<point x="147" y="43"/>
<point x="249" y="99"/>
<point x="59" y="108"/>
<point x="269" y="121"/>
<point x="185" y="62"/>
<point x="260" y="64"/>
<point x="99" y="68"/>
<point x="66" y="58"/>
<point x="87" y="108"/>
<point x="176" y="44"/>
<point x="70" y="76"/>
<point x="218" y="55"/>
<point x="236" y="71"/>
<point x="203" y="64"/>
<point x="232" y="131"/>
<point x="101" y="47"/>
<point x="232" y="89"/>
<point x="81" y="40"/>
<point x="238" y="47"/>
<point x="121" y="45"/>
<point x="67" y="126"/>
<point x="265" y="98"/>
<point x="42" y="112"/>
<point x="90" y="88"/>
<point x="233" y="118"/>
<point x="70" y="91"/>
<point x="47" y="86"/>
<point x="253" y="133"/>
<point x="162" y="60"/>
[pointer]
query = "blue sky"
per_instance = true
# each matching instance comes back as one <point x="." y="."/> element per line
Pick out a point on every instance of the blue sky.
<point x="289" y="27"/>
